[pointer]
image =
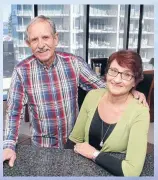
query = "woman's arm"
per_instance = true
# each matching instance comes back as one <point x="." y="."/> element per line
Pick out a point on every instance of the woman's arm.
<point x="136" y="150"/>
<point x="137" y="144"/>
<point x="110" y="163"/>
<point x="78" y="133"/>
<point x="69" y="144"/>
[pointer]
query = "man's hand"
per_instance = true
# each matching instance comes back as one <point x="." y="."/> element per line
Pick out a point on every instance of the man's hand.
<point x="9" y="154"/>
<point x="140" y="96"/>
<point x="85" y="149"/>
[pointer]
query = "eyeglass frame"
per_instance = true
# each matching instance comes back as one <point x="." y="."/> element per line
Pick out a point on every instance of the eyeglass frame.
<point x="118" y="72"/>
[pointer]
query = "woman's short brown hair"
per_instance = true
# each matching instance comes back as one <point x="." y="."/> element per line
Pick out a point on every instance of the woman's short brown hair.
<point x="129" y="59"/>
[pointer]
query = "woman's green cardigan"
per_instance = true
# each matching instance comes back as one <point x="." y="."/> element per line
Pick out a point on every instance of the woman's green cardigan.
<point x="129" y="135"/>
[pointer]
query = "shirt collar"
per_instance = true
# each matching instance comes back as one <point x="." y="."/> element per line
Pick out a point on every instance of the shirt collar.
<point x="53" y="64"/>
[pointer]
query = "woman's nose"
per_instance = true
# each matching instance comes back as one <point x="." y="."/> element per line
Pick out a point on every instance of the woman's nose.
<point x="118" y="78"/>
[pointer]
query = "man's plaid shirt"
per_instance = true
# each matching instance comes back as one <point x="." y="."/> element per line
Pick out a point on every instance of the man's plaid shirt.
<point x="52" y="98"/>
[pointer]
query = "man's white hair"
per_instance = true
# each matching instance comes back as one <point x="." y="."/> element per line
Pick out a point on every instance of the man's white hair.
<point x="40" y="18"/>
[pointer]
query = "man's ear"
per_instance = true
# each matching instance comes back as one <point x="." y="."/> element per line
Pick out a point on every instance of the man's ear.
<point x="27" y="42"/>
<point x="56" y="38"/>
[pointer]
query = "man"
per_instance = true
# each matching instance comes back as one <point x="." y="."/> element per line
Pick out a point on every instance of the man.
<point x="48" y="82"/>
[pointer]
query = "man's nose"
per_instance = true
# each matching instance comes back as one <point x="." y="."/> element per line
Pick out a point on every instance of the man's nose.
<point x="40" y="44"/>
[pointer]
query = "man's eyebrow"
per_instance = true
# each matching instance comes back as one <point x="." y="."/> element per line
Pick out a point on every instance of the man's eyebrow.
<point x="33" y="37"/>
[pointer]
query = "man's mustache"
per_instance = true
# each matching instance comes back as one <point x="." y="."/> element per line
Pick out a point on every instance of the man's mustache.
<point x="41" y="50"/>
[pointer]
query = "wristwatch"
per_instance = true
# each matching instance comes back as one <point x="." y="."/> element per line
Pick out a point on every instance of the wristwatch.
<point x="95" y="154"/>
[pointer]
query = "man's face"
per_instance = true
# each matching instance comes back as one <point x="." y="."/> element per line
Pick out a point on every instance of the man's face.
<point x="42" y="41"/>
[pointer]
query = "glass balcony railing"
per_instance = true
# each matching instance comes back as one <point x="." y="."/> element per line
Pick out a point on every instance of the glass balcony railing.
<point x="21" y="28"/>
<point x="24" y="13"/>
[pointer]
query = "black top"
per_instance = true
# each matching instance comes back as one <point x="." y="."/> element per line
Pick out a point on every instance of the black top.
<point x="99" y="129"/>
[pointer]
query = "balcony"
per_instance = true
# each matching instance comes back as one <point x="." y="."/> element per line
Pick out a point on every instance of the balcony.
<point x="20" y="28"/>
<point x="25" y="13"/>
<point x="53" y="13"/>
<point x="21" y="44"/>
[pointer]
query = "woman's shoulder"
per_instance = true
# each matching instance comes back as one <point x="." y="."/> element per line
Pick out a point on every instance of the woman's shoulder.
<point x="138" y="111"/>
<point x="95" y="94"/>
<point x="100" y="91"/>
<point x="139" y="106"/>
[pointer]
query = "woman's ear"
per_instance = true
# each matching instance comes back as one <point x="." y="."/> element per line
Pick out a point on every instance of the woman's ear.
<point x="134" y="85"/>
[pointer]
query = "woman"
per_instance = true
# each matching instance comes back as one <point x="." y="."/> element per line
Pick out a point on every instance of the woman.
<point x="111" y="120"/>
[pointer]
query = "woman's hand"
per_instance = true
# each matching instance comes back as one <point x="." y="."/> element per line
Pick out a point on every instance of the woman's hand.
<point x="84" y="149"/>
<point x="140" y="96"/>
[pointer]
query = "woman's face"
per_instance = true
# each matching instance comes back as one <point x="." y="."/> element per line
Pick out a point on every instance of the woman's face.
<point x="115" y="83"/>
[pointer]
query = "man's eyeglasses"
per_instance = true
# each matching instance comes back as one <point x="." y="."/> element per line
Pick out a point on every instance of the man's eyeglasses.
<point x="124" y="75"/>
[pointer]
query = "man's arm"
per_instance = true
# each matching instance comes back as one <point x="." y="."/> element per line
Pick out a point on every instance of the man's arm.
<point x="87" y="77"/>
<point x="140" y="96"/>
<point x="15" y="106"/>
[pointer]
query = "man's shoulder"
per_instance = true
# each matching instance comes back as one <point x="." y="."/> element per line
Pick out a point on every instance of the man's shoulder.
<point x="67" y="56"/>
<point x="25" y="62"/>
